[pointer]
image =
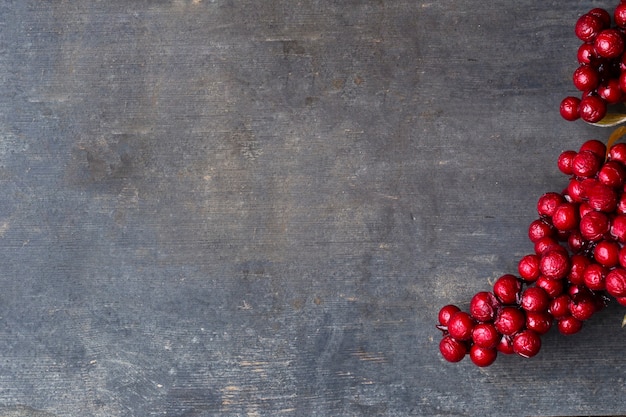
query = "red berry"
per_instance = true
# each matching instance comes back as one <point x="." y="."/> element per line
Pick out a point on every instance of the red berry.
<point x="483" y="306"/>
<point x="621" y="205"/>
<point x="528" y="267"/>
<point x="615" y="282"/>
<point x="548" y="202"/>
<point x="594" y="277"/>
<point x="576" y="190"/>
<point x="546" y="244"/>
<point x="482" y="356"/>
<point x="587" y="184"/>
<point x="565" y="158"/>
<point x="554" y="287"/>
<point x="618" y="228"/>
<point x="604" y="16"/>
<point x="578" y="291"/>
<point x="559" y="307"/>
<point x="539" y="229"/>
<point x="535" y="299"/>
<point x="565" y="217"/>
<point x="594" y="145"/>
<point x="618" y="153"/>
<point x="510" y="320"/>
<point x="584" y="208"/>
<point x="609" y="43"/>
<point x="610" y="91"/>
<point x="460" y="326"/>
<point x="575" y="241"/>
<point x="586" y="54"/>
<point x="609" y="254"/>
<point x="619" y="15"/>
<point x="527" y="343"/>
<point x="606" y="253"/>
<point x="507" y="289"/>
<point x="594" y="225"/>
<point x="505" y="345"/>
<point x="540" y="323"/>
<point x="622" y="257"/>
<point x="588" y="27"/>
<point x="446" y="312"/>
<point x="485" y="335"/>
<point x="451" y="349"/>
<point x="578" y="266"/>
<point x="612" y="174"/>
<point x="586" y="78"/>
<point x="622" y="84"/>
<point x="569" y="325"/>
<point x="582" y="308"/>
<point x="586" y="164"/>
<point x="569" y="108"/>
<point x="602" y="198"/>
<point x="554" y="264"/>
<point x="592" y="108"/>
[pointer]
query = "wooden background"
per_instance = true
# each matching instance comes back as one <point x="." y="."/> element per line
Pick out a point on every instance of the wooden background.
<point x="256" y="208"/>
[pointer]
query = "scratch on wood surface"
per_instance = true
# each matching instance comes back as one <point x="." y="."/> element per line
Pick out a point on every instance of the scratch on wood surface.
<point x="309" y="36"/>
<point x="261" y="367"/>
<point x="22" y="411"/>
<point x="229" y="393"/>
<point x="181" y="4"/>
<point x="485" y="259"/>
<point x="344" y="374"/>
<point x="375" y="357"/>
<point x="388" y="196"/>
<point x="263" y="364"/>
<point x="254" y="364"/>
<point x="357" y="379"/>
<point x="256" y="367"/>
<point x="4" y="226"/>
<point x="349" y="297"/>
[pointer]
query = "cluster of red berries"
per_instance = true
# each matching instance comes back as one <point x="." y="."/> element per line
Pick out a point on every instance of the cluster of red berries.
<point x="601" y="75"/>
<point x="577" y="266"/>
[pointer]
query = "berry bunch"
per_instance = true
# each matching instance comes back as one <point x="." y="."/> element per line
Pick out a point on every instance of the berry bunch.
<point x="601" y="74"/>
<point x="578" y="264"/>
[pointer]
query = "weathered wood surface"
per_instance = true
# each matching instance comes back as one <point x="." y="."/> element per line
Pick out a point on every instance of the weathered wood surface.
<point x="256" y="208"/>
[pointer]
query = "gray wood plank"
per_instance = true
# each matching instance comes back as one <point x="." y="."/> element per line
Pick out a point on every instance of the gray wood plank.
<point x="257" y="208"/>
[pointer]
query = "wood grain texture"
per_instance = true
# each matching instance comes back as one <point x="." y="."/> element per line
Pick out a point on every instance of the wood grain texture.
<point x="256" y="208"/>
